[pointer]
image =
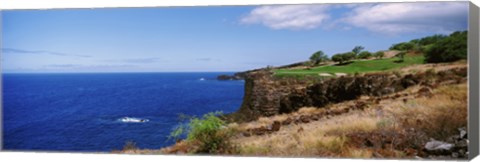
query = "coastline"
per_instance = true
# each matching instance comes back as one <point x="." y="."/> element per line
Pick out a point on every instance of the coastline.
<point x="265" y="120"/>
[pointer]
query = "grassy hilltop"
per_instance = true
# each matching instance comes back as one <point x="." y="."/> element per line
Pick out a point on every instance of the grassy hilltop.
<point x="358" y="66"/>
<point x="431" y="49"/>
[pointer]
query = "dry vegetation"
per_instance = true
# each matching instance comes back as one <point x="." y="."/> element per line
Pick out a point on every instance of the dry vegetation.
<point x="410" y="121"/>
<point x="392" y="126"/>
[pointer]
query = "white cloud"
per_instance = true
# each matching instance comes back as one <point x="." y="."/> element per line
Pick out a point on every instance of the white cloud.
<point x="396" y="18"/>
<point x="288" y="16"/>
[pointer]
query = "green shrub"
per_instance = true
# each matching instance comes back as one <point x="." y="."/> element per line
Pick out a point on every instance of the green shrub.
<point x="357" y="49"/>
<point x="348" y="56"/>
<point x="449" y="49"/>
<point x="379" y="54"/>
<point x="209" y="134"/>
<point x="404" y="46"/>
<point x="364" y="55"/>
<point x="426" y="48"/>
<point x="318" y="57"/>
<point x="431" y="39"/>
<point x="419" y="45"/>
<point x="338" y="58"/>
<point x="176" y="134"/>
<point x="343" y="57"/>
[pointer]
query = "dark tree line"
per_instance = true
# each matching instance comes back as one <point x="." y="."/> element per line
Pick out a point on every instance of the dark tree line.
<point x="437" y="48"/>
<point x="356" y="53"/>
<point x="451" y="48"/>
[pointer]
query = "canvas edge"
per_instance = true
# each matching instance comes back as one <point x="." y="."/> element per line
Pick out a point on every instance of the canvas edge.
<point x="473" y="79"/>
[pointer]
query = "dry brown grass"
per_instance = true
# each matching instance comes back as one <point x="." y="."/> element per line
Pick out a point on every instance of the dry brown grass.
<point x="438" y="117"/>
<point x="436" y="67"/>
<point x="323" y="137"/>
<point x="262" y="121"/>
<point x="265" y="121"/>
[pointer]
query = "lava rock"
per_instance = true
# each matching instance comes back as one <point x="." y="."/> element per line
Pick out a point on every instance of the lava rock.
<point x="276" y="126"/>
<point x="304" y="119"/>
<point x="287" y="121"/>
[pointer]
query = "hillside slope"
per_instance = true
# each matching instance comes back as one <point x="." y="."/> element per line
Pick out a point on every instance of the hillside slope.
<point x="398" y="124"/>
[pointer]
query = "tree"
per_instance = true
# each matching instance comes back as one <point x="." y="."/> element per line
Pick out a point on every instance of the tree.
<point x="404" y="46"/>
<point x="449" y="49"/>
<point x="364" y="55"/>
<point x="357" y="49"/>
<point x="348" y="56"/>
<point x="343" y="57"/>
<point x="418" y="45"/>
<point x="379" y="54"/>
<point x="431" y="39"/>
<point x="425" y="49"/>
<point x="338" y="58"/>
<point x="318" y="57"/>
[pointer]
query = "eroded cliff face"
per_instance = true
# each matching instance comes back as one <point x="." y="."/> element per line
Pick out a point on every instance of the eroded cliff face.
<point x="263" y="94"/>
<point x="266" y="95"/>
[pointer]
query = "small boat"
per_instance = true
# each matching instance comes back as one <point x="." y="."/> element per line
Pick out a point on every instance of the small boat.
<point x="202" y="79"/>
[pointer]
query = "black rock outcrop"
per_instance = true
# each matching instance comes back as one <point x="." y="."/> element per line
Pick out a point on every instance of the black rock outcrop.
<point x="266" y="95"/>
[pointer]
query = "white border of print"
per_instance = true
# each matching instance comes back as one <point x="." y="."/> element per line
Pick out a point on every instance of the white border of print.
<point x="48" y="4"/>
<point x="82" y="157"/>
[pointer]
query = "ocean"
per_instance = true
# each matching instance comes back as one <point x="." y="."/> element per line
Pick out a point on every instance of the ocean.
<point x="101" y="112"/>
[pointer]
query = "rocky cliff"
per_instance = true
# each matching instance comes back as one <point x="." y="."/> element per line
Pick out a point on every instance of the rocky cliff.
<point x="263" y="94"/>
<point x="266" y="95"/>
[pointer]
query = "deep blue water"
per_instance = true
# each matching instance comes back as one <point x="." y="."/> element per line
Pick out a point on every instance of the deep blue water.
<point x="81" y="112"/>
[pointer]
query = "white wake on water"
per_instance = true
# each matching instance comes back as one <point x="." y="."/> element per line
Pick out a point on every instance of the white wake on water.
<point x="132" y="120"/>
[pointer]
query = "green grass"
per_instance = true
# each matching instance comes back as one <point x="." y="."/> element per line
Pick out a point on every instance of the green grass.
<point x="354" y="67"/>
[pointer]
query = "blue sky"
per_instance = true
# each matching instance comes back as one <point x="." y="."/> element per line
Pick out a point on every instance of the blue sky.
<point x="222" y="38"/>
